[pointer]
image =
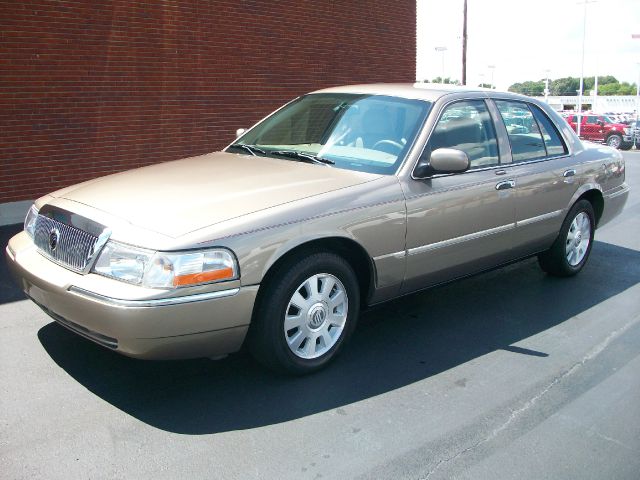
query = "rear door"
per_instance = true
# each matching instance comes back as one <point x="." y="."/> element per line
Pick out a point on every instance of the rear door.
<point x="546" y="175"/>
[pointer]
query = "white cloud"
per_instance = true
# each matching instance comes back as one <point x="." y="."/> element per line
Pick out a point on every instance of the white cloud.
<point x="523" y="39"/>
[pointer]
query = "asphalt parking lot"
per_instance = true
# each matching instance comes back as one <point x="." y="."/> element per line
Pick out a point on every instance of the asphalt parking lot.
<point x="510" y="374"/>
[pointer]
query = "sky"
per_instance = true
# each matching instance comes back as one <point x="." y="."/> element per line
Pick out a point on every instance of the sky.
<point x="523" y="39"/>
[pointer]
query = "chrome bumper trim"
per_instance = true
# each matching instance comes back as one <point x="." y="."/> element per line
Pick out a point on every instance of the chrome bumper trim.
<point x="623" y="189"/>
<point x="158" y="302"/>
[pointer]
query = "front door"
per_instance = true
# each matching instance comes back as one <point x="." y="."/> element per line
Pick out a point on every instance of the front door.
<point x="461" y="223"/>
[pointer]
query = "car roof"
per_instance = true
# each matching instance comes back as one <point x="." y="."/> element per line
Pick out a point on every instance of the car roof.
<point x="419" y="90"/>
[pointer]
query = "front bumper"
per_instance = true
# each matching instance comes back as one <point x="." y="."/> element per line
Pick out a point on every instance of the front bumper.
<point x="129" y="319"/>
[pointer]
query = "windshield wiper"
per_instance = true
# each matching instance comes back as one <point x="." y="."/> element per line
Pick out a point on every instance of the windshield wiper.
<point x="305" y="157"/>
<point x="252" y="149"/>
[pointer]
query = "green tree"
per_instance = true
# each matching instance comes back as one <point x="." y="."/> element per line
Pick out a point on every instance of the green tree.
<point x="564" y="86"/>
<point x="607" y="85"/>
<point x="528" y="88"/>
<point x="447" y="81"/>
<point x="626" y="89"/>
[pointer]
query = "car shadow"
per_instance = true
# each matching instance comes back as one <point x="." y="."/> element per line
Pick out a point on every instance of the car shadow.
<point x="8" y="290"/>
<point x="396" y="344"/>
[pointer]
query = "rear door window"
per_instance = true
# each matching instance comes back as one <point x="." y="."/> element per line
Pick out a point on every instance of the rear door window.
<point x="552" y="139"/>
<point x="524" y="133"/>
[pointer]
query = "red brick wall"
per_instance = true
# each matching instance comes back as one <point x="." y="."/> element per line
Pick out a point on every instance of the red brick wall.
<point x="93" y="87"/>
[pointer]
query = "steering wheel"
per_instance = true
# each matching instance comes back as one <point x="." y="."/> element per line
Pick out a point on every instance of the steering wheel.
<point x="391" y="143"/>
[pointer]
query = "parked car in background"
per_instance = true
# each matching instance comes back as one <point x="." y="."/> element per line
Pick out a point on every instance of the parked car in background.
<point x="635" y="131"/>
<point x="601" y="128"/>
<point x="342" y="199"/>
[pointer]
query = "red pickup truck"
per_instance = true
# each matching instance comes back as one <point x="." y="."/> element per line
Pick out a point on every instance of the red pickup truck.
<point x="600" y="128"/>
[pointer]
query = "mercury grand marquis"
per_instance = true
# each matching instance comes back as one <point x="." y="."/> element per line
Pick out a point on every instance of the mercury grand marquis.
<point x="341" y="199"/>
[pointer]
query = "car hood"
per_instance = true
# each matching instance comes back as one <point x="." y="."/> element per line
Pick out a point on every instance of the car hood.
<point x="175" y="198"/>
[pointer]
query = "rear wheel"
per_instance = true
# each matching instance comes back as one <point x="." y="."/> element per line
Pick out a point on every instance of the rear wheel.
<point x="570" y="252"/>
<point x="306" y="313"/>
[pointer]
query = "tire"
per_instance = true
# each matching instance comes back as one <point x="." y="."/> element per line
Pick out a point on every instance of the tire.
<point x="626" y="146"/>
<point x="306" y="313"/>
<point x="614" y="140"/>
<point x="569" y="253"/>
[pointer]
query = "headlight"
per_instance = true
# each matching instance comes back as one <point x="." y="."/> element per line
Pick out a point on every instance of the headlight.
<point x="123" y="262"/>
<point x="30" y="221"/>
<point x="627" y="131"/>
<point x="165" y="269"/>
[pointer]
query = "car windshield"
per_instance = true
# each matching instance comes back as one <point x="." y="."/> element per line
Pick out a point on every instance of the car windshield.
<point x="368" y="133"/>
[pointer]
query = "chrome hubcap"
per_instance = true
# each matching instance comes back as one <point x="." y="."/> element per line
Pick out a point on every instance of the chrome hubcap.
<point x="315" y="316"/>
<point x="578" y="239"/>
<point x="614" y="141"/>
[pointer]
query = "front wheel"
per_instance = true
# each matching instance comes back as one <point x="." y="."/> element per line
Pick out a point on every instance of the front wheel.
<point x="614" y="140"/>
<point x="570" y="252"/>
<point x="305" y="314"/>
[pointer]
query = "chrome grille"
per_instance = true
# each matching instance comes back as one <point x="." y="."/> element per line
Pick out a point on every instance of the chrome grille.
<point x="73" y="247"/>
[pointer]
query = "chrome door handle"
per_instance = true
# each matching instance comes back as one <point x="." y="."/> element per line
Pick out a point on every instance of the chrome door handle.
<point x="569" y="173"/>
<point x="506" y="185"/>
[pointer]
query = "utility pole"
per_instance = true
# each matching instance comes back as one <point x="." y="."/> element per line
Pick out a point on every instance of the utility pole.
<point x="493" y="69"/>
<point x="464" y="44"/>
<point x="581" y="91"/>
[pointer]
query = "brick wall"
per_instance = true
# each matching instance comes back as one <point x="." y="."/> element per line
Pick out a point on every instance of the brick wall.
<point x="93" y="87"/>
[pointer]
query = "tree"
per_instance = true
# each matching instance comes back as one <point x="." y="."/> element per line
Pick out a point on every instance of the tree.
<point x="528" y="88"/>
<point x="568" y="86"/>
<point x="565" y="86"/>
<point x="447" y="80"/>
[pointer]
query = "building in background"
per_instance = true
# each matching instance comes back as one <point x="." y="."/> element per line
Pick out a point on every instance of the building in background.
<point x="92" y="88"/>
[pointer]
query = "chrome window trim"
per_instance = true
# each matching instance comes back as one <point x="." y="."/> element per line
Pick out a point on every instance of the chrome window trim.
<point x="158" y="302"/>
<point x="495" y="167"/>
<point x="461" y="239"/>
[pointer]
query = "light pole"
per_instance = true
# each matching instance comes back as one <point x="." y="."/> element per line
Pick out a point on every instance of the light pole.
<point x="442" y="50"/>
<point x="584" y="33"/>
<point x="546" y="86"/>
<point x="636" y="131"/>
<point x="493" y="69"/>
<point x="464" y="43"/>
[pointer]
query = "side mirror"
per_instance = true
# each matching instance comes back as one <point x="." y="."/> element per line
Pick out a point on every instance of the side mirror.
<point x="443" y="160"/>
<point x="240" y="131"/>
